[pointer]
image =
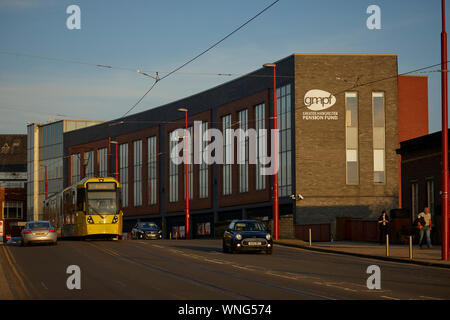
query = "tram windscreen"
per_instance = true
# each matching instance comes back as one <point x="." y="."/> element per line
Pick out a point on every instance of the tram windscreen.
<point x="102" y="202"/>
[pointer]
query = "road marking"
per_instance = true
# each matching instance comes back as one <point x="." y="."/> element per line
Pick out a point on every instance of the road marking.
<point x="105" y="249"/>
<point x="432" y="298"/>
<point x="158" y="246"/>
<point x="213" y="261"/>
<point x="390" y="298"/>
<point x="281" y="275"/>
<point x="10" y="259"/>
<point x="336" y="285"/>
<point x="241" y="267"/>
<point x="43" y="284"/>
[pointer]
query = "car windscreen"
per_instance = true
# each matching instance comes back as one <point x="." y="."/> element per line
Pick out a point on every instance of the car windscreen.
<point x="39" y="225"/>
<point x="102" y="202"/>
<point x="249" y="226"/>
<point x="149" y="225"/>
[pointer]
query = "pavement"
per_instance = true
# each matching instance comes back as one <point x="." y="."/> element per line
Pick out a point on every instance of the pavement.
<point x="397" y="253"/>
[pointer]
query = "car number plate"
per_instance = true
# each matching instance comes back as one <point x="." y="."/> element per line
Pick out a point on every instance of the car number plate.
<point x="253" y="243"/>
<point x="39" y="233"/>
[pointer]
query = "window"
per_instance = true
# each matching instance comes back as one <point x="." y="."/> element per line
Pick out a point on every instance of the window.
<point x="152" y="162"/>
<point x="430" y="195"/>
<point x="203" y="167"/>
<point x="75" y="168"/>
<point x="137" y="170"/>
<point x="190" y="165"/>
<point x="103" y="162"/>
<point x="13" y="210"/>
<point x="261" y="142"/>
<point x="243" y="152"/>
<point x="414" y="199"/>
<point x="173" y="170"/>
<point x="123" y="172"/>
<point x="89" y="161"/>
<point x="228" y="161"/>
<point x="378" y="137"/>
<point x="284" y="141"/>
<point x="351" y="132"/>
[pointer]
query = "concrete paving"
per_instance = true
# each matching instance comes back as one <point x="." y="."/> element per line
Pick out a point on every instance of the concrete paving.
<point x="397" y="253"/>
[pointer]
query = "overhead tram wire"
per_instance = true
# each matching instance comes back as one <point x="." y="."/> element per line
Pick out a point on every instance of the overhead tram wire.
<point x="202" y="53"/>
<point x="382" y="79"/>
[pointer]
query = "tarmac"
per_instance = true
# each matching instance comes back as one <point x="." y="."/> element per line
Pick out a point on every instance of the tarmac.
<point x="397" y="252"/>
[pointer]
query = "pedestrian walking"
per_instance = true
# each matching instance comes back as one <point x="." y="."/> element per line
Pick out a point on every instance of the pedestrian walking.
<point x="383" y="223"/>
<point x="426" y="229"/>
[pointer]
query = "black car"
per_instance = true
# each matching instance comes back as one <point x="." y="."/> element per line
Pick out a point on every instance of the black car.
<point x="146" y="230"/>
<point x="247" y="235"/>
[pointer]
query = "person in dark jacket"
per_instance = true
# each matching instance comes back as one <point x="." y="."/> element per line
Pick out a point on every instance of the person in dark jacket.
<point x="383" y="223"/>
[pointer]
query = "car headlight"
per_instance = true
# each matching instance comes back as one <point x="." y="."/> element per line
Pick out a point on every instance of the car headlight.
<point x="89" y="220"/>
<point x="115" y="219"/>
<point x="268" y="236"/>
<point x="238" y="237"/>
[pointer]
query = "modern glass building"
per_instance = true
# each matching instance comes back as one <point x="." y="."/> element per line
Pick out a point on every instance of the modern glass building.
<point x="45" y="161"/>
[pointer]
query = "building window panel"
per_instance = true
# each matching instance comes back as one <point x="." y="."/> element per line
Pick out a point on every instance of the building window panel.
<point x="227" y="163"/>
<point x="378" y="114"/>
<point x="13" y="210"/>
<point x="76" y="168"/>
<point x="284" y="139"/>
<point x="173" y="170"/>
<point x="137" y="170"/>
<point x="430" y="195"/>
<point x="243" y="152"/>
<point x="414" y="199"/>
<point x="203" y="167"/>
<point x="152" y="171"/>
<point x="352" y="143"/>
<point x="123" y="172"/>
<point x="260" y="124"/>
<point x="103" y="162"/>
<point x="89" y="161"/>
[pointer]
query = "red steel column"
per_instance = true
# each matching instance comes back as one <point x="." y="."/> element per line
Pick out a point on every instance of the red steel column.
<point x="186" y="144"/>
<point x="275" y="149"/>
<point x="445" y="182"/>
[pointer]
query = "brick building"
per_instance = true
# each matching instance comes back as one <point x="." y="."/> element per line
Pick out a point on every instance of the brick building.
<point x="13" y="176"/>
<point x="339" y="129"/>
<point x="422" y="178"/>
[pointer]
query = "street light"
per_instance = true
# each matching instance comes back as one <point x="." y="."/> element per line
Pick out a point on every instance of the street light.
<point x="116" y="162"/>
<point x="445" y="174"/>
<point x="275" y="151"/>
<point x="186" y="169"/>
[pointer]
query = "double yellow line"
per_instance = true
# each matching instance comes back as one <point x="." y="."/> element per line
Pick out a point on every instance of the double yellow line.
<point x="12" y="265"/>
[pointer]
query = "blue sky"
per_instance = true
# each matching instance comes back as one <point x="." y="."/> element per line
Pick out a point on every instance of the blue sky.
<point x="161" y="35"/>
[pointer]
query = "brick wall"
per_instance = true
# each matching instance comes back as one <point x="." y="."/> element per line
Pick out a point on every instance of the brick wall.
<point x="321" y="144"/>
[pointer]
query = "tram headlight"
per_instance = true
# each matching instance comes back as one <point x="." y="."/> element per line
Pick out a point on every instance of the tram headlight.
<point x="89" y="220"/>
<point x="115" y="219"/>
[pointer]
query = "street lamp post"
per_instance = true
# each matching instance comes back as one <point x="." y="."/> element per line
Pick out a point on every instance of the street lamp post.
<point x="445" y="182"/>
<point x="275" y="152"/>
<point x="186" y="148"/>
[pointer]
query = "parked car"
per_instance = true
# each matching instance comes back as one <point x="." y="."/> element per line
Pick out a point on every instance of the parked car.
<point x="247" y="235"/>
<point x="38" y="232"/>
<point x="146" y="231"/>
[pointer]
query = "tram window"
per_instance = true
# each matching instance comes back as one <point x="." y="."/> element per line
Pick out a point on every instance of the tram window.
<point x="80" y="200"/>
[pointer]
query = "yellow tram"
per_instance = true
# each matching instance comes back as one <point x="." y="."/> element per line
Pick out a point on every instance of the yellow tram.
<point x="89" y="208"/>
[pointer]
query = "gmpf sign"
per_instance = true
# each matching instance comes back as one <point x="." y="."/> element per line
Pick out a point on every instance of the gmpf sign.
<point x="318" y="100"/>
